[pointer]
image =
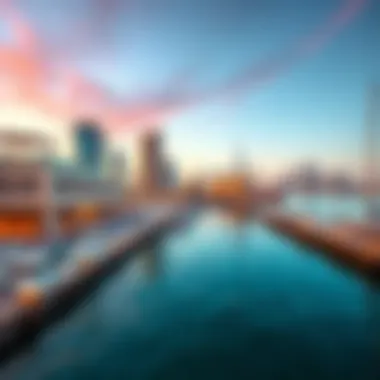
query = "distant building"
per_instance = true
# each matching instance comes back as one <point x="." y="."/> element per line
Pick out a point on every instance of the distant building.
<point x="173" y="177"/>
<point x="152" y="163"/>
<point x="117" y="166"/>
<point x="229" y="186"/>
<point x="310" y="178"/>
<point x="307" y="178"/>
<point x="341" y="183"/>
<point x="170" y="175"/>
<point x="90" y="146"/>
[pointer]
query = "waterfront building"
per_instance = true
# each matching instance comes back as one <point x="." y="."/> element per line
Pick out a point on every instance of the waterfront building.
<point x="229" y="188"/>
<point x="16" y="145"/>
<point x="43" y="198"/>
<point x="306" y="178"/>
<point x="169" y="175"/>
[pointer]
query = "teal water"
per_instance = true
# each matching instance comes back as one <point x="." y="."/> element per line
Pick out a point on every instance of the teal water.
<point x="217" y="300"/>
<point x="329" y="209"/>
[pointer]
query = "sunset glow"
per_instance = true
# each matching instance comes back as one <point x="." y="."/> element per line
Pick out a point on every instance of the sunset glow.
<point x="32" y="75"/>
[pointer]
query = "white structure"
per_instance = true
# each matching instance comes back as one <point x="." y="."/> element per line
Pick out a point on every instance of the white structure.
<point x="23" y="145"/>
<point x="26" y="185"/>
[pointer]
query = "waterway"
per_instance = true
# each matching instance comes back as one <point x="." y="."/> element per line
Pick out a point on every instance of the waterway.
<point x="216" y="299"/>
<point x="329" y="208"/>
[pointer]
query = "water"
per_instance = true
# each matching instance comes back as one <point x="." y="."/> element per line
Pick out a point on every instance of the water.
<point x="217" y="300"/>
<point x="329" y="209"/>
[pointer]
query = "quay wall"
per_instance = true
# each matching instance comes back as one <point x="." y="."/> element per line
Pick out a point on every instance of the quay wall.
<point x="55" y="302"/>
<point x="340" y="247"/>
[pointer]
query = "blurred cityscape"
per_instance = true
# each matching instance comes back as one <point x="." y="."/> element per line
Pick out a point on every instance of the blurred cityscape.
<point x="45" y="199"/>
<point x="47" y="203"/>
<point x="63" y="218"/>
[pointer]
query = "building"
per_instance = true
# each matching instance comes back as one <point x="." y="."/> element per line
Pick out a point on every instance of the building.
<point x="25" y="145"/>
<point x="117" y="165"/>
<point x="38" y="199"/>
<point x="152" y="169"/>
<point x="42" y="198"/>
<point x="90" y="146"/>
<point x="307" y="178"/>
<point x="341" y="183"/>
<point x="169" y="175"/>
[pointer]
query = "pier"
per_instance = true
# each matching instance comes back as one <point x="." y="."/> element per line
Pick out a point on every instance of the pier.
<point x="42" y="302"/>
<point x="356" y="246"/>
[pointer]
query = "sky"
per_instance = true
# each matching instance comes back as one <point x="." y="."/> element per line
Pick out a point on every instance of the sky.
<point x="278" y="82"/>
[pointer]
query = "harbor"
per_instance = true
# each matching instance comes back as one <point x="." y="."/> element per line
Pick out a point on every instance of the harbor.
<point x="248" y="278"/>
<point x="189" y="190"/>
<point x="353" y="245"/>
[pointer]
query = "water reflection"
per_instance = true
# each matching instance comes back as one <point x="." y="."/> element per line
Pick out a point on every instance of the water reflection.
<point x="242" y="237"/>
<point x="241" y="227"/>
<point x="220" y="299"/>
<point x="152" y="259"/>
<point x="373" y="304"/>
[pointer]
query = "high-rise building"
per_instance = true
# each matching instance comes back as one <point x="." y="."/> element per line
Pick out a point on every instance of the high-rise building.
<point x="89" y="145"/>
<point x="117" y="165"/>
<point x="170" y="179"/>
<point x="152" y="164"/>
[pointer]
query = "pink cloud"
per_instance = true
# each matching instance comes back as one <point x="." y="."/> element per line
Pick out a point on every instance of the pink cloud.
<point x="33" y="73"/>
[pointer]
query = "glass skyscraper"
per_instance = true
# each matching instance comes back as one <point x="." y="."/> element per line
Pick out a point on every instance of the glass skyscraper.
<point x="90" y="146"/>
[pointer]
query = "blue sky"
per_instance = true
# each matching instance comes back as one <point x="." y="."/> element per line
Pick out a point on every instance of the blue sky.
<point x="314" y="111"/>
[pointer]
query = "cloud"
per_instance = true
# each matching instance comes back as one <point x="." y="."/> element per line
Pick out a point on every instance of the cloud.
<point x="256" y="74"/>
<point x="31" y="74"/>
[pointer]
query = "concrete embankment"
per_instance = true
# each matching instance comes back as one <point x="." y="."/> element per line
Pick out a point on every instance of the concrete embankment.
<point x="336" y="242"/>
<point x="41" y="306"/>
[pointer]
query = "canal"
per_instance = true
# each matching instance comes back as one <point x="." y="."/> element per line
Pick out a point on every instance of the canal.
<point x="216" y="299"/>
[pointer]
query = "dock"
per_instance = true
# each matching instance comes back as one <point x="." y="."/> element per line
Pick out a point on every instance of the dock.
<point x="43" y="302"/>
<point x="355" y="246"/>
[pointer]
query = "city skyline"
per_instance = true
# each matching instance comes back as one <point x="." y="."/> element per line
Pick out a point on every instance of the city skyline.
<point x="311" y="109"/>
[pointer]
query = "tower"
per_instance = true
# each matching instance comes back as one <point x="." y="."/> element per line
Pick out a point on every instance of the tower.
<point x="152" y="166"/>
<point x="89" y="145"/>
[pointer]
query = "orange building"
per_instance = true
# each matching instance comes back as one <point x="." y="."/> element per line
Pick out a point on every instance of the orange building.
<point x="232" y="186"/>
<point x="37" y="202"/>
